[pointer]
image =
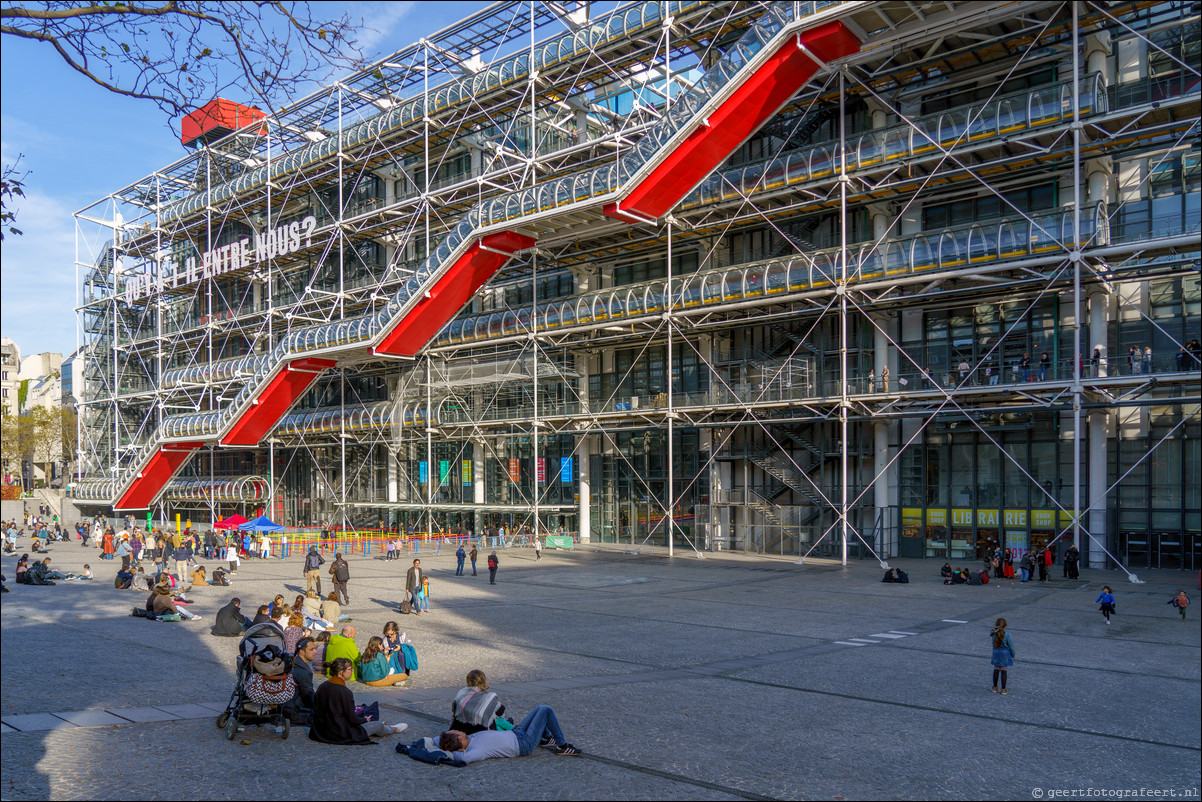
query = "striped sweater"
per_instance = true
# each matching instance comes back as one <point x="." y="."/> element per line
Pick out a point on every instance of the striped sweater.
<point x="475" y="709"/>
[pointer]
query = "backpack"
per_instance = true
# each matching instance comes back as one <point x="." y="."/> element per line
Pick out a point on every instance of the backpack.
<point x="492" y="563"/>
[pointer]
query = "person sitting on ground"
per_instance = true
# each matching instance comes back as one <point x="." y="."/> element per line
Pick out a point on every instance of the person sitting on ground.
<point x="475" y="707"/>
<point x="342" y="645"/>
<point x="377" y="669"/>
<point x="540" y="728"/>
<point x="263" y="615"/>
<point x="311" y="609"/>
<point x="321" y="640"/>
<point x="198" y="577"/>
<point x="36" y="546"/>
<point x="302" y="673"/>
<point x="280" y="617"/>
<point x="38" y="574"/>
<point x="978" y="577"/>
<point x="334" y="718"/>
<point x="86" y="573"/>
<point x="142" y="580"/>
<point x="230" y="621"/>
<point x="276" y="605"/>
<point x="896" y="575"/>
<point x="220" y="577"/>
<point x="959" y="577"/>
<point x="124" y="580"/>
<point x="294" y="630"/>
<point x="53" y="573"/>
<point x="22" y="568"/>
<point x="331" y="610"/>
<point x="298" y="604"/>
<point x="946" y="571"/>
<point x="162" y="603"/>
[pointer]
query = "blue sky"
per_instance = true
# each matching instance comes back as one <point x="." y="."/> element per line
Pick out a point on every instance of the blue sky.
<point x="81" y="143"/>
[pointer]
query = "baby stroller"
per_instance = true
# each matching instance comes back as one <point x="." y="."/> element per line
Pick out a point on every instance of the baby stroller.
<point x="264" y="687"/>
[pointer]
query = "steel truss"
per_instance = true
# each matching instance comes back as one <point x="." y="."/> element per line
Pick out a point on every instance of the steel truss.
<point x="785" y="278"/>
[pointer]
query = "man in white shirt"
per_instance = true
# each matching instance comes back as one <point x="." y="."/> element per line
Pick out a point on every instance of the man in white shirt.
<point x="540" y="728"/>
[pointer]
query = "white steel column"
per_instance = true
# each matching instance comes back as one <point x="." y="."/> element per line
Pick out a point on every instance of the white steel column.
<point x="478" y="456"/>
<point x="1076" y="258"/>
<point x="584" y="453"/>
<point x="842" y="292"/>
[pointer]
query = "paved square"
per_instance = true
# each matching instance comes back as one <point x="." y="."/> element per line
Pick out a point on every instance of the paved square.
<point x="722" y="678"/>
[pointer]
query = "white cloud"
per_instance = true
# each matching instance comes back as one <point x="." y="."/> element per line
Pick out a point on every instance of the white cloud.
<point x="37" y="276"/>
<point x="380" y="25"/>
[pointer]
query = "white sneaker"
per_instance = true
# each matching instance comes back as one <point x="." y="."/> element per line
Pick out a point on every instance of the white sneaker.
<point x="399" y="728"/>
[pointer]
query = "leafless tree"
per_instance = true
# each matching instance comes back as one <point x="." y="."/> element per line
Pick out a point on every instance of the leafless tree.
<point x="180" y="55"/>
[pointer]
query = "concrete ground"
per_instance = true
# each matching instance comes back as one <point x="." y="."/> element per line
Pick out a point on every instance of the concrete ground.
<point x="717" y="678"/>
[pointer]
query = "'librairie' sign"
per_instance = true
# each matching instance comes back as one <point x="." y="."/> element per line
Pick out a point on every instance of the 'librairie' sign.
<point x="246" y="252"/>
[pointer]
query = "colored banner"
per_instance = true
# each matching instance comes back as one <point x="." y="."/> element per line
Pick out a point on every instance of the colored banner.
<point x="541" y="469"/>
<point x="444" y="471"/>
<point x="515" y="474"/>
<point x="467" y="472"/>
<point x="565" y="469"/>
<point x="559" y="541"/>
<point x="421" y="472"/>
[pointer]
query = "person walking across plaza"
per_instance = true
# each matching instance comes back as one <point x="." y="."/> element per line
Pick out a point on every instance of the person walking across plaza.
<point x="341" y="573"/>
<point x="460" y="556"/>
<point x="313" y="563"/>
<point x="413" y="583"/>
<point x="1107" y="602"/>
<point x="538" y="548"/>
<point x="493" y="565"/>
<point x="1072" y="560"/>
<point x="1003" y="653"/>
<point x="472" y="556"/>
<point x="1041" y="559"/>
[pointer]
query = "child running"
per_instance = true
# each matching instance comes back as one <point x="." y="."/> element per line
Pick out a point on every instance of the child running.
<point x="1107" y="602"/>
<point x="1180" y="601"/>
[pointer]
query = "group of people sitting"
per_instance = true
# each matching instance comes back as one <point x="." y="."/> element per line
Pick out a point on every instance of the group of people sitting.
<point x="963" y="576"/>
<point x="165" y="604"/>
<point x="478" y="729"/>
<point x="40" y="573"/>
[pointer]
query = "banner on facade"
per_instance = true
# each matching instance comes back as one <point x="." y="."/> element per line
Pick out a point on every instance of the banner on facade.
<point x="541" y="469"/>
<point x="421" y="472"/>
<point x="444" y="471"/>
<point x="514" y="473"/>
<point x="466" y="472"/>
<point x="565" y="469"/>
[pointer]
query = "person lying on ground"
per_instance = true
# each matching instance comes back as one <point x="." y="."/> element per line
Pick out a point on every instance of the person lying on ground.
<point x="540" y="728"/>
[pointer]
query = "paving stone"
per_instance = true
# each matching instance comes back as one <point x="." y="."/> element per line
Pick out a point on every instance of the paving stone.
<point x="186" y="711"/>
<point x="92" y="718"/>
<point x="31" y="722"/>
<point x="143" y="715"/>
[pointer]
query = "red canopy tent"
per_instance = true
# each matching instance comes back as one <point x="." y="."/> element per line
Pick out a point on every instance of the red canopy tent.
<point x="232" y="522"/>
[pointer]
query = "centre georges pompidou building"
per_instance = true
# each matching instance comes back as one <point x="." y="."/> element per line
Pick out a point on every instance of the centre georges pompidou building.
<point x="868" y="278"/>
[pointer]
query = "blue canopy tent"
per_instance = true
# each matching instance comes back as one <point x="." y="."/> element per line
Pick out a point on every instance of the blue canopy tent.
<point x="261" y="524"/>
